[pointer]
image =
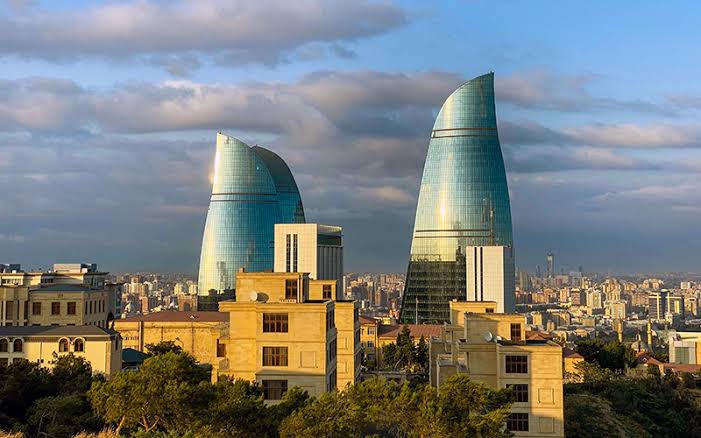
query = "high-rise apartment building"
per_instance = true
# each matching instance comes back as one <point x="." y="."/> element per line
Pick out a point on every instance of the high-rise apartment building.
<point x="313" y="248"/>
<point x="252" y="190"/>
<point x="463" y="201"/>
<point x="550" y="259"/>
<point x="490" y="276"/>
<point x="657" y="302"/>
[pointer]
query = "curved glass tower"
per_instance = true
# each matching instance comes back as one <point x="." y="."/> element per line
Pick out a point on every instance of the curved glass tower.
<point x="463" y="201"/>
<point x="253" y="189"/>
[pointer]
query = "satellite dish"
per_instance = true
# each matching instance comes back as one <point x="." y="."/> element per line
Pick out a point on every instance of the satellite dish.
<point x="488" y="336"/>
<point x="253" y="296"/>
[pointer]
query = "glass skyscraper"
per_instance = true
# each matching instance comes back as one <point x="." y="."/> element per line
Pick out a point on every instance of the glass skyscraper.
<point x="253" y="189"/>
<point x="463" y="201"/>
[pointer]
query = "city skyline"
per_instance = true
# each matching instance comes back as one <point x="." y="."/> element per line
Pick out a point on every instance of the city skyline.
<point x="106" y="136"/>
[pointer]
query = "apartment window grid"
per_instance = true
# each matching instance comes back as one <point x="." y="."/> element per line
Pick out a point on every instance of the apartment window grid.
<point x="274" y="389"/>
<point x="275" y="356"/>
<point x="517" y="422"/>
<point x="275" y="322"/>
<point x="326" y="290"/>
<point x="520" y="391"/>
<point x="291" y="289"/>
<point x="55" y="308"/>
<point x="516" y="332"/>
<point x="517" y="364"/>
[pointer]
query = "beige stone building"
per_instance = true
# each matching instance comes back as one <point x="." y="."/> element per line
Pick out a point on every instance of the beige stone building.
<point x="99" y="346"/>
<point x="70" y="294"/>
<point x="282" y="334"/>
<point x="492" y="348"/>
<point x="197" y="333"/>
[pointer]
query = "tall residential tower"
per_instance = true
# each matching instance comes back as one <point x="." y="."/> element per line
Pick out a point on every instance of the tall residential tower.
<point x="253" y="189"/>
<point x="463" y="202"/>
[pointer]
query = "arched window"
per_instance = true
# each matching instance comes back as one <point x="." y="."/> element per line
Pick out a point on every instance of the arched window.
<point x="4" y="345"/>
<point x="17" y="346"/>
<point x="63" y="346"/>
<point x="78" y="345"/>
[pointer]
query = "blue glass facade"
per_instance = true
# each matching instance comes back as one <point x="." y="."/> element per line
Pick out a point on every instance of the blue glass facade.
<point x="253" y="189"/>
<point x="463" y="200"/>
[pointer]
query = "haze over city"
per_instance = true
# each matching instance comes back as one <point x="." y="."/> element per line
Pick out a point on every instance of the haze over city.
<point x="107" y="131"/>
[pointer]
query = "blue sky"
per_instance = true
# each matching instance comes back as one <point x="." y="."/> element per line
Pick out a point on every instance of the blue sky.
<point x="108" y="113"/>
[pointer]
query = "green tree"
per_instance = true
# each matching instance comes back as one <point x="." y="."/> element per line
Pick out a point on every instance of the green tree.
<point x="421" y="355"/>
<point x="163" y="347"/>
<point x="469" y="409"/>
<point x="71" y="374"/>
<point x="168" y="391"/>
<point x="63" y="416"/>
<point x="21" y="384"/>
<point x="612" y="355"/>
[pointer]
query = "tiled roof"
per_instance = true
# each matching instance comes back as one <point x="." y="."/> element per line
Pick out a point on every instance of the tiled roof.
<point x="167" y="316"/>
<point x="416" y="330"/>
<point x="533" y="335"/>
<point x="569" y="353"/>
<point x="367" y="320"/>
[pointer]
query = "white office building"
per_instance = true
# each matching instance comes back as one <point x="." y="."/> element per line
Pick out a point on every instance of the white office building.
<point x="490" y="276"/>
<point x="313" y="248"/>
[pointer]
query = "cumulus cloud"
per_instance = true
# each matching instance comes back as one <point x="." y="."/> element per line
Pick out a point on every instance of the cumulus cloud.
<point x="176" y="33"/>
<point x="548" y="90"/>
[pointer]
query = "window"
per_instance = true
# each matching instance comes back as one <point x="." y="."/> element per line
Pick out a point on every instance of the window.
<point x="55" y="308"/>
<point x="221" y="349"/>
<point x="36" y="308"/>
<point x="515" y="332"/>
<point x="330" y="320"/>
<point x="274" y="389"/>
<point x="520" y="392"/>
<point x="71" y="308"/>
<point x="326" y="290"/>
<point x="517" y="364"/>
<point x="17" y="346"/>
<point x="290" y="289"/>
<point x="371" y="330"/>
<point x="4" y="361"/>
<point x="517" y="422"/>
<point x="489" y="310"/>
<point x="9" y="308"/>
<point x="332" y="351"/>
<point x="78" y="346"/>
<point x="4" y="345"/>
<point x="274" y="356"/>
<point x="275" y="323"/>
<point x="63" y="346"/>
